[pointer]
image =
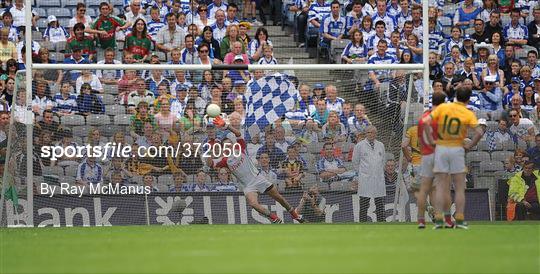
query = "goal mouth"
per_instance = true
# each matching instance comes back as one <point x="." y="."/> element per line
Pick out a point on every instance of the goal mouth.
<point x="147" y="163"/>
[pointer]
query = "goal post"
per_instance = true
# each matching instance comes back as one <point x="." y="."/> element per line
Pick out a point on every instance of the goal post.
<point x="268" y="91"/>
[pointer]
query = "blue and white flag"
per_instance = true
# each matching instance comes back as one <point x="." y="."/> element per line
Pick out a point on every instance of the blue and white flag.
<point x="268" y="99"/>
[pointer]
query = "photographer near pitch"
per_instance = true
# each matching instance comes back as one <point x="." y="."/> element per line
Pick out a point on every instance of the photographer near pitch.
<point x="312" y="206"/>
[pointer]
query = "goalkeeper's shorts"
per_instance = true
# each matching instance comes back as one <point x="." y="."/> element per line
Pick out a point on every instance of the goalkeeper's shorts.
<point x="259" y="184"/>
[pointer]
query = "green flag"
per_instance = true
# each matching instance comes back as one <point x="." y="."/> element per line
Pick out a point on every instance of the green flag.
<point x="11" y="194"/>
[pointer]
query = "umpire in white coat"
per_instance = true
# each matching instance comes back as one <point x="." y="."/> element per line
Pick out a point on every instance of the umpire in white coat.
<point x="369" y="158"/>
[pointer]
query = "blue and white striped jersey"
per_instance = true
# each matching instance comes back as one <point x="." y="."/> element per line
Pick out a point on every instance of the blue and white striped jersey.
<point x="374" y="40"/>
<point x="515" y="32"/>
<point x="65" y="105"/>
<point x="212" y="8"/>
<point x="385" y="59"/>
<point x="355" y="51"/>
<point x="336" y="105"/>
<point x="154" y="27"/>
<point x="333" y="26"/>
<point x="271" y="61"/>
<point x="318" y="12"/>
<point x="389" y="20"/>
<point x="219" y="32"/>
<point x="56" y="34"/>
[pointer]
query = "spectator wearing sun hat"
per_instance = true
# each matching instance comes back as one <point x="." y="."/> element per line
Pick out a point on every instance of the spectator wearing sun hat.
<point x="490" y="95"/>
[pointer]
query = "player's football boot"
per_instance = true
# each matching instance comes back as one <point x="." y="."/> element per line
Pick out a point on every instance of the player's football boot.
<point x="275" y="219"/>
<point x="438" y="224"/>
<point x="296" y="216"/>
<point x="421" y="225"/>
<point x="462" y="225"/>
<point x="449" y="224"/>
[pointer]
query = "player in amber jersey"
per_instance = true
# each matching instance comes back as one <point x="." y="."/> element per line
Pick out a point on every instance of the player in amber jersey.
<point x="453" y="121"/>
<point x="427" y="154"/>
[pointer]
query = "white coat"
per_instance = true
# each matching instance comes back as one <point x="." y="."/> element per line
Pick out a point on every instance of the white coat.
<point x="370" y="164"/>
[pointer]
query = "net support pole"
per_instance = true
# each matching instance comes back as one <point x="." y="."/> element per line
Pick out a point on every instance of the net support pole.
<point x="425" y="48"/>
<point x="401" y="184"/>
<point x="29" y="131"/>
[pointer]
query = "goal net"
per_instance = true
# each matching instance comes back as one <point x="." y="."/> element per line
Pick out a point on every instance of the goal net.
<point x="130" y="149"/>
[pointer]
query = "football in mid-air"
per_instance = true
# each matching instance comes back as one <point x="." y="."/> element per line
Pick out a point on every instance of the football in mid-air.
<point x="213" y="110"/>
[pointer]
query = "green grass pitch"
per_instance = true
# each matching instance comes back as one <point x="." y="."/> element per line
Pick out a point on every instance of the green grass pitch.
<point x="312" y="248"/>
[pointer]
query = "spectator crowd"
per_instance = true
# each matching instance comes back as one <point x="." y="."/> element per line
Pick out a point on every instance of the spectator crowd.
<point x="491" y="48"/>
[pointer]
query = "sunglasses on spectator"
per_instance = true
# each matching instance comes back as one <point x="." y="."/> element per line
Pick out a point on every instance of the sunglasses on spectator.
<point x="203" y="51"/>
<point x="203" y="10"/>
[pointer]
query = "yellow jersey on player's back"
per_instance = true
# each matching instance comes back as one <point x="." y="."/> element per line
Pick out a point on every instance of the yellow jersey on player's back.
<point x="412" y="134"/>
<point x="453" y="121"/>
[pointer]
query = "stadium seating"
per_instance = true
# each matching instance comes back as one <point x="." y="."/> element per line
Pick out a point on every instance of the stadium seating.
<point x="485" y="160"/>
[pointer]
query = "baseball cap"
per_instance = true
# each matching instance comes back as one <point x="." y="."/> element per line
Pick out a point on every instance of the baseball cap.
<point x="51" y="18"/>
<point x="467" y="37"/>
<point x="238" y="58"/>
<point x="536" y="79"/>
<point x="318" y="86"/>
<point x="515" y="80"/>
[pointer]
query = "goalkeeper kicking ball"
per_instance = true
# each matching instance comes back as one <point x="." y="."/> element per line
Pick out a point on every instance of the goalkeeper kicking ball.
<point x="213" y="110"/>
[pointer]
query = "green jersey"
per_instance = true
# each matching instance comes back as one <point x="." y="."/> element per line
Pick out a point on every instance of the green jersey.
<point x="108" y="24"/>
<point x="138" y="47"/>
